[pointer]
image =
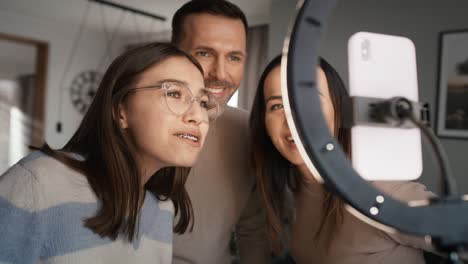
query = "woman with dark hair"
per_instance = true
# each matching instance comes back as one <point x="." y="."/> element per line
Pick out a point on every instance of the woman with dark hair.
<point x="303" y="217"/>
<point x="110" y="195"/>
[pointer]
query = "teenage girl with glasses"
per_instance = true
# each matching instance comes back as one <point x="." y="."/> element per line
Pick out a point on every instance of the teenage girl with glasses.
<point x="111" y="193"/>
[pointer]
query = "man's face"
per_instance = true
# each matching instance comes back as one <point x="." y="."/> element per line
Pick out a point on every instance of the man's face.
<point x="219" y="44"/>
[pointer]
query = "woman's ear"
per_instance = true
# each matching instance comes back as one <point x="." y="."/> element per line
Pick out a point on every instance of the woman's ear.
<point x="122" y="116"/>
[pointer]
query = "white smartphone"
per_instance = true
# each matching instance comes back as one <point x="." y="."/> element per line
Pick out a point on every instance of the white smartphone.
<point x="384" y="66"/>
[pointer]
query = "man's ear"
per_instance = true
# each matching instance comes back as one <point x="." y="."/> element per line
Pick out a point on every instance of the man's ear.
<point x="122" y="116"/>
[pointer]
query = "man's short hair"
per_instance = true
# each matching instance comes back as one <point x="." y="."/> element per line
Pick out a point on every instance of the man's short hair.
<point x="212" y="7"/>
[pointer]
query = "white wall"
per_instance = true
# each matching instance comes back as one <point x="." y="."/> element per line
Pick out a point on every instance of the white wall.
<point x="16" y="59"/>
<point x="60" y="37"/>
<point x="421" y="21"/>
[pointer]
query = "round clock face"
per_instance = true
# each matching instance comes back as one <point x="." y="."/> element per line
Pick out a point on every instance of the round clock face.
<point x="83" y="89"/>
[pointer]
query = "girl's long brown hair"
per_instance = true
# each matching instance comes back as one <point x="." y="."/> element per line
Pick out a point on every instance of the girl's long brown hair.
<point x="108" y="154"/>
<point x="276" y="175"/>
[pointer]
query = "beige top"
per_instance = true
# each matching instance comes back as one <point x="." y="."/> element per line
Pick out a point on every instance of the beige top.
<point x="220" y="188"/>
<point x="356" y="242"/>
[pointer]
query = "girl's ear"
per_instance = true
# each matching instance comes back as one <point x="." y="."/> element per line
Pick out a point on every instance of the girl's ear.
<point x="122" y="116"/>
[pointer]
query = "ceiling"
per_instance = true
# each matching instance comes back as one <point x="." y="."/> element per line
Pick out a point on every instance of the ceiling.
<point x="102" y="17"/>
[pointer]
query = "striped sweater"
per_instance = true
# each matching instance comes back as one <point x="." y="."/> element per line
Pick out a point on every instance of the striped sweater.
<point x="42" y="207"/>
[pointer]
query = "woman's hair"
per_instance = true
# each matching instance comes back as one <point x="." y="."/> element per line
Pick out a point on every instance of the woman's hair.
<point x="276" y="175"/>
<point x="109" y="157"/>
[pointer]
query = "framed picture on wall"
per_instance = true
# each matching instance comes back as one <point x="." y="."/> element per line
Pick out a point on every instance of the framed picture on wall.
<point x="452" y="105"/>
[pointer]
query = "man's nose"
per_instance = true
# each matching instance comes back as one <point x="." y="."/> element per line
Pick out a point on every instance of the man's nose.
<point x="218" y="69"/>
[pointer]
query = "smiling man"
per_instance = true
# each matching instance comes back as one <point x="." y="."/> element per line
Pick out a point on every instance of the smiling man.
<point x="220" y="186"/>
<point x="218" y="41"/>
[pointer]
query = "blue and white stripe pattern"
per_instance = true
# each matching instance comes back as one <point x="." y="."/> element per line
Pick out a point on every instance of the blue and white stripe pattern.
<point x="42" y="207"/>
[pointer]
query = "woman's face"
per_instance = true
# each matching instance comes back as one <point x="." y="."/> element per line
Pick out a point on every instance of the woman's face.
<point x="162" y="138"/>
<point x="275" y="118"/>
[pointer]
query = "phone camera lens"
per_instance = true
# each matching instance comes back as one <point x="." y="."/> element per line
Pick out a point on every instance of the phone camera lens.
<point x="365" y="50"/>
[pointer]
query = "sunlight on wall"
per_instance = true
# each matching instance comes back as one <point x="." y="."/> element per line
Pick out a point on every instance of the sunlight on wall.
<point x="20" y="134"/>
<point x="234" y="101"/>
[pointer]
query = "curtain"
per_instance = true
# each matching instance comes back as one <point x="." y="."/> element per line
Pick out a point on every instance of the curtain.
<point x="257" y="56"/>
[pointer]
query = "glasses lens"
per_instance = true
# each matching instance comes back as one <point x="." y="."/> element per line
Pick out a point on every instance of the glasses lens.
<point x="178" y="98"/>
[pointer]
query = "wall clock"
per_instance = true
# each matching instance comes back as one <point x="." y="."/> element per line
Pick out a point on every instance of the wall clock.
<point x="83" y="88"/>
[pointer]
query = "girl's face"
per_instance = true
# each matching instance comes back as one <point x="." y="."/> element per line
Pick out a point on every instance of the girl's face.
<point x="275" y="118"/>
<point x="162" y="138"/>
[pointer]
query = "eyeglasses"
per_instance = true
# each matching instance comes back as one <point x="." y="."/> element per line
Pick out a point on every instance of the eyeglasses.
<point x="179" y="99"/>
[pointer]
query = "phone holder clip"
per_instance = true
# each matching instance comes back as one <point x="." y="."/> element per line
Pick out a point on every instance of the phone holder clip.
<point x="393" y="112"/>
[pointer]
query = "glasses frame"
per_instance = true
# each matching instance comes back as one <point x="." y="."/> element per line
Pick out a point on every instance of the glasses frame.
<point x="165" y="86"/>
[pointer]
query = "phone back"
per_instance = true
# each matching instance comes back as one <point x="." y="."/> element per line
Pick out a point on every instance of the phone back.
<point x="384" y="66"/>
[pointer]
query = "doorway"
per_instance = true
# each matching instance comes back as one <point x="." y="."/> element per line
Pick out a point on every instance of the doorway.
<point x="23" y="73"/>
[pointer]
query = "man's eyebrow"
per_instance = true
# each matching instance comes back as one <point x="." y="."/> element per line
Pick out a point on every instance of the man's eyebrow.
<point x="235" y="52"/>
<point x="205" y="48"/>
<point x="273" y="97"/>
